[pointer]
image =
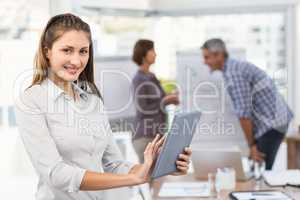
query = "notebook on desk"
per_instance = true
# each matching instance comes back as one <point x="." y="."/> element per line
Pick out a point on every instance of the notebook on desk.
<point x="259" y="195"/>
<point x="282" y="178"/>
<point x="185" y="189"/>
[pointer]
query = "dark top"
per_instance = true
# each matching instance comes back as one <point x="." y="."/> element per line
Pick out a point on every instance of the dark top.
<point x="150" y="114"/>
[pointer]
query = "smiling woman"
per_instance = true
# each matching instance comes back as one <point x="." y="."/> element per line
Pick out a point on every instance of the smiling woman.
<point x="56" y="115"/>
<point x="66" y="46"/>
<point x="70" y="51"/>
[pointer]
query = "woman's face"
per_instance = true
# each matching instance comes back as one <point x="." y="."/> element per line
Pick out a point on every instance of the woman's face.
<point x="69" y="55"/>
<point x="150" y="57"/>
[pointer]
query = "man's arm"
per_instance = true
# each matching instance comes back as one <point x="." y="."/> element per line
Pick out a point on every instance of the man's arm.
<point x="246" y="125"/>
<point x="247" y="128"/>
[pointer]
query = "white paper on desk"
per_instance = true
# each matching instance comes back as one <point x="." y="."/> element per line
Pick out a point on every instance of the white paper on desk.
<point x="281" y="178"/>
<point x="185" y="189"/>
<point x="273" y="195"/>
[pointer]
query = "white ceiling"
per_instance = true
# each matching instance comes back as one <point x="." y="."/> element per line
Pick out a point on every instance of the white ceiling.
<point x="180" y="7"/>
<point x="181" y="4"/>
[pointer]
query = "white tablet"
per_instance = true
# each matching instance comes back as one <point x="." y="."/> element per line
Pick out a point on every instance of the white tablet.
<point x="178" y="137"/>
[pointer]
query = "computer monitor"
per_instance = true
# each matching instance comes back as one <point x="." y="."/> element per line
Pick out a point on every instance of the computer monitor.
<point x="207" y="161"/>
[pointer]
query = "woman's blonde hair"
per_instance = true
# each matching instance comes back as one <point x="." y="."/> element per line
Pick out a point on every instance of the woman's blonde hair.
<point x="54" y="29"/>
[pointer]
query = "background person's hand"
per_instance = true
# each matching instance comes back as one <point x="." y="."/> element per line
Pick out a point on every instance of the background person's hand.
<point x="183" y="162"/>
<point x="171" y="99"/>
<point x="256" y="155"/>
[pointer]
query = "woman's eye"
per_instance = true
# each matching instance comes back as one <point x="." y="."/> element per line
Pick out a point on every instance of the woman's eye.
<point x="67" y="50"/>
<point x="83" y="52"/>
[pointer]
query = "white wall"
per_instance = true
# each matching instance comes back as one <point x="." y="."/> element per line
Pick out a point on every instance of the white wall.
<point x="113" y="76"/>
<point x="16" y="59"/>
<point x="296" y="78"/>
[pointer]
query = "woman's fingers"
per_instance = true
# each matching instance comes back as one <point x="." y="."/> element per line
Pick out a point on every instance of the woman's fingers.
<point x="182" y="169"/>
<point x="159" y="149"/>
<point x="150" y="147"/>
<point x="154" y="143"/>
<point x="159" y="143"/>
<point x="162" y="139"/>
<point x="184" y="157"/>
<point x="188" y="151"/>
<point x="182" y="163"/>
<point x="147" y="147"/>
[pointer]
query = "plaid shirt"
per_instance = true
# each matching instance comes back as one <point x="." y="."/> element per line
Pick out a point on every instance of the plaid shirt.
<point x="255" y="97"/>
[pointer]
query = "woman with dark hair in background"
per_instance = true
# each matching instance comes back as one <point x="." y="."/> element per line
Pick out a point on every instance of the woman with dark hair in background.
<point x="150" y="98"/>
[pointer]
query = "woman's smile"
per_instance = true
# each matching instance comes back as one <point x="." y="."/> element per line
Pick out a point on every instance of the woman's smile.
<point x="71" y="69"/>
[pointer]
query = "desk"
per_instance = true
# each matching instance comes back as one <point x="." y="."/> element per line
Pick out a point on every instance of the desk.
<point x="241" y="186"/>
<point x="293" y="147"/>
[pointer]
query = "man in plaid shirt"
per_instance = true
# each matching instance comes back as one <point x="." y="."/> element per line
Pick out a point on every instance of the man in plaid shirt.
<point x="262" y="111"/>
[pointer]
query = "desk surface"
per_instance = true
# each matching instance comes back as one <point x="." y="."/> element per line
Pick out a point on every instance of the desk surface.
<point x="293" y="148"/>
<point x="241" y="186"/>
